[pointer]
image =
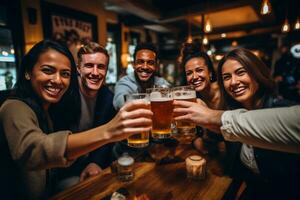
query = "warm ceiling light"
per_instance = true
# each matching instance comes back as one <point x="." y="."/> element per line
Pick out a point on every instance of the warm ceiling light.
<point x="12" y="51"/>
<point x="234" y="43"/>
<point x="207" y="26"/>
<point x="223" y="35"/>
<point x="218" y="57"/>
<point x="189" y="39"/>
<point x="205" y="40"/>
<point x="256" y="52"/>
<point x="297" y="24"/>
<point x="285" y="27"/>
<point x="265" y="7"/>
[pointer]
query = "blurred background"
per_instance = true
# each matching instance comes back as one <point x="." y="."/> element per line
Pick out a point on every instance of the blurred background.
<point x="269" y="28"/>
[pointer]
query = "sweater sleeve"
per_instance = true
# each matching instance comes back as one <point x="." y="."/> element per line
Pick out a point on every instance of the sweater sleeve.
<point x="123" y="87"/>
<point x="29" y="146"/>
<point x="275" y="129"/>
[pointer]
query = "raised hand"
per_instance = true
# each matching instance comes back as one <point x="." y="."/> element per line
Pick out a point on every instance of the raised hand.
<point x="134" y="117"/>
<point x="197" y="113"/>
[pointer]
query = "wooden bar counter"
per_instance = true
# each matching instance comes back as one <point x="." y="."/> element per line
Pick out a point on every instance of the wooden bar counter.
<point x="167" y="181"/>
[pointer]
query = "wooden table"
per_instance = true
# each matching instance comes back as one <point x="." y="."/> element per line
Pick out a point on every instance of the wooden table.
<point x="167" y="181"/>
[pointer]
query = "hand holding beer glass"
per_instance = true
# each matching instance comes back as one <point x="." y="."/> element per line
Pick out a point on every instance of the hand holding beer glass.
<point x="138" y="140"/>
<point x="162" y="108"/>
<point x="185" y="130"/>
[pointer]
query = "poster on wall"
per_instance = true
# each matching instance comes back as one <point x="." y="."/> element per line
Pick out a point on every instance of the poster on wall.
<point x="72" y="31"/>
<point x="68" y="26"/>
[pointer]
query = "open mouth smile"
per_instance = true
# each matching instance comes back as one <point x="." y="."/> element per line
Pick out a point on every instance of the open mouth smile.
<point x="239" y="91"/>
<point x="197" y="83"/>
<point x="52" y="90"/>
<point x="94" y="80"/>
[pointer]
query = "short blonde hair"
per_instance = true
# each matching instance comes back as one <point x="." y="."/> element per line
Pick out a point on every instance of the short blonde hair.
<point x="90" y="48"/>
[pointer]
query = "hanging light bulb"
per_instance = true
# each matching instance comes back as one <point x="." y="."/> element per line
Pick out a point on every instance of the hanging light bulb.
<point x="285" y="27"/>
<point x="265" y="7"/>
<point x="190" y="38"/>
<point x="205" y="40"/>
<point x="234" y="43"/>
<point x="207" y="26"/>
<point x="297" y="24"/>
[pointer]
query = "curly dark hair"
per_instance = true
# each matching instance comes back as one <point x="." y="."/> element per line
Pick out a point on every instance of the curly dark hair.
<point x="148" y="46"/>
<point x="193" y="50"/>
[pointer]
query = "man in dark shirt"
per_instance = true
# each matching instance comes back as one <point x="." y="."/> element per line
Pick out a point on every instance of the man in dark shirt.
<point x="96" y="102"/>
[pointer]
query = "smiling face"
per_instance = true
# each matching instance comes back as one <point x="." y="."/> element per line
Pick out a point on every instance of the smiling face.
<point x="197" y="73"/>
<point x="145" y="64"/>
<point x="92" y="70"/>
<point x="238" y="83"/>
<point x="50" y="76"/>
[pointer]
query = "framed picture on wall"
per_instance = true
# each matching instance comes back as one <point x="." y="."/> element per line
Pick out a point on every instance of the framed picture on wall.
<point x="68" y="26"/>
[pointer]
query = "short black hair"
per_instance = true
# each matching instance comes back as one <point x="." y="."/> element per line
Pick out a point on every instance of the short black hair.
<point x="148" y="46"/>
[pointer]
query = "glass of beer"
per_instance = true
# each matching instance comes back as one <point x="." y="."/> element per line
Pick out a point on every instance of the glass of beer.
<point x="185" y="130"/>
<point x="138" y="140"/>
<point x="162" y="108"/>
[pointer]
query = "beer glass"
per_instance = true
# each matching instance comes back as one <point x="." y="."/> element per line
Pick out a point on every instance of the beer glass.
<point x="138" y="140"/>
<point x="185" y="93"/>
<point x="162" y="108"/>
<point x="195" y="167"/>
<point x="125" y="168"/>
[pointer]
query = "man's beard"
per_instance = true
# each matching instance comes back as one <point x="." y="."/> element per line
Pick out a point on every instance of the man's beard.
<point x="145" y="84"/>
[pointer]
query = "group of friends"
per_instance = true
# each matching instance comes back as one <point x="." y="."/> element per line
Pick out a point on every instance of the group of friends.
<point x="61" y="123"/>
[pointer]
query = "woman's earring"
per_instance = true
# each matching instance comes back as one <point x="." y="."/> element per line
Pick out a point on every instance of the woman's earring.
<point x="27" y="77"/>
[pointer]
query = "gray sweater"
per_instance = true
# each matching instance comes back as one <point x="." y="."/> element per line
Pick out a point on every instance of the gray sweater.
<point x="128" y="85"/>
<point x="276" y="129"/>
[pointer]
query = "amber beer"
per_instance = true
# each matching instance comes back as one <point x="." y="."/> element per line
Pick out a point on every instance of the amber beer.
<point x="185" y="125"/>
<point x="162" y="108"/>
<point x="138" y="140"/>
<point x="185" y="93"/>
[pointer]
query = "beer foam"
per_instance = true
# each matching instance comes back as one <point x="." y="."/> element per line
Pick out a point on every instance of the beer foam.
<point x="125" y="161"/>
<point x="184" y="95"/>
<point x="195" y="157"/>
<point x="155" y="95"/>
<point x="161" y="99"/>
<point x="195" y="160"/>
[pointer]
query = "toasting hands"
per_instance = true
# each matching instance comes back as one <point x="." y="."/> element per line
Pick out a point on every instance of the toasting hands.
<point x="198" y="113"/>
<point x="134" y="117"/>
